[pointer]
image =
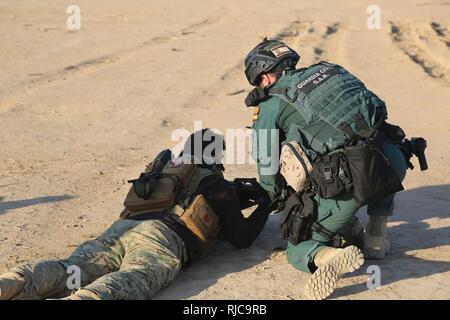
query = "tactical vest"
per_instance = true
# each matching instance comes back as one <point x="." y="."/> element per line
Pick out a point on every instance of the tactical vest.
<point x="174" y="195"/>
<point x="334" y="103"/>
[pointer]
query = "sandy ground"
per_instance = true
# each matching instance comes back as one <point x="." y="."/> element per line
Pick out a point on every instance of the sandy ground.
<point x="82" y="112"/>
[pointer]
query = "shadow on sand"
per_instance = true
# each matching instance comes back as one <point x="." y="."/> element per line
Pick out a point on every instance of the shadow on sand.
<point x="223" y="261"/>
<point x="411" y="233"/>
<point x="6" y="206"/>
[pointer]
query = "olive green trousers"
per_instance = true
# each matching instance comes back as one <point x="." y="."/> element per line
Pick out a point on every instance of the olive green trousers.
<point x="334" y="214"/>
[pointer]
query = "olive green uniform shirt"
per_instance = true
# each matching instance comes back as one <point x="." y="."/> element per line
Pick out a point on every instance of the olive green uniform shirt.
<point x="274" y="114"/>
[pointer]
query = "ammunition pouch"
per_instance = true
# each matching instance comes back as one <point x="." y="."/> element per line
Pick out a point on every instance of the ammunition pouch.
<point x="372" y="175"/>
<point x="200" y="219"/>
<point x="298" y="221"/>
<point x="361" y="168"/>
<point x="298" y="216"/>
<point x="331" y="175"/>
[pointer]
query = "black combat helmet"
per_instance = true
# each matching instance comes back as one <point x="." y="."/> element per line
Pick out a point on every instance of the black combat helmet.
<point x="267" y="56"/>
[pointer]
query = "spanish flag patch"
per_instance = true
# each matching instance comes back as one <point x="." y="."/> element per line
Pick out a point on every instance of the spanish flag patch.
<point x="255" y="114"/>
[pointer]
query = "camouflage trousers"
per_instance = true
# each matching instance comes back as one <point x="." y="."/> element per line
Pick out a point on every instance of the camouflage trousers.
<point x="130" y="260"/>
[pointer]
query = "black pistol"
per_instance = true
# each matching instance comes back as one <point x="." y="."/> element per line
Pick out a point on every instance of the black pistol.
<point x="418" y="146"/>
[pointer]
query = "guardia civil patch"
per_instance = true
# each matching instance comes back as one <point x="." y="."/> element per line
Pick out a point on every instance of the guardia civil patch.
<point x="316" y="79"/>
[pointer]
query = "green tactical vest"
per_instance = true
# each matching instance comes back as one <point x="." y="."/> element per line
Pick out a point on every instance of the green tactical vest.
<point x="335" y="104"/>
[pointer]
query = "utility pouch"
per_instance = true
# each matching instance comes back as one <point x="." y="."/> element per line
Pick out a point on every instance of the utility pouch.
<point x="331" y="175"/>
<point x="372" y="175"/>
<point x="156" y="191"/>
<point x="151" y="195"/>
<point x="202" y="221"/>
<point x="298" y="216"/>
<point x="295" y="166"/>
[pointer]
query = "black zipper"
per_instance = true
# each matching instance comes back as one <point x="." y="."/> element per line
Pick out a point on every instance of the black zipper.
<point x="297" y="155"/>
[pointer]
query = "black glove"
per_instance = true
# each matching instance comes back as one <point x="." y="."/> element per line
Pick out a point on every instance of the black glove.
<point x="250" y="192"/>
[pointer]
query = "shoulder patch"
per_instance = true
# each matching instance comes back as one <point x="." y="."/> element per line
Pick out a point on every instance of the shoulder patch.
<point x="280" y="51"/>
<point x="310" y="83"/>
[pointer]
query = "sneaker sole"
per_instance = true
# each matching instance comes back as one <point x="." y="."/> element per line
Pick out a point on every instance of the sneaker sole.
<point x="323" y="282"/>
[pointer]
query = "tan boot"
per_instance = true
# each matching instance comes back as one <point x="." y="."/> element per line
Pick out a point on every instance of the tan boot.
<point x="82" y="294"/>
<point x="331" y="264"/>
<point x="11" y="284"/>
<point x="376" y="245"/>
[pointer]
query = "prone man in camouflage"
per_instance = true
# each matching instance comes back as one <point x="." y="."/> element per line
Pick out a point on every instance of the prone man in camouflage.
<point x="321" y="109"/>
<point x="159" y="232"/>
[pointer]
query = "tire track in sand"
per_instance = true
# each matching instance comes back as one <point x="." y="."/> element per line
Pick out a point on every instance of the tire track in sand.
<point x="302" y="36"/>
<point x="427" y="45"/>
<point x="324" y="42"/>
<point x="100" y="62"/>
<point x="293" y="30"/>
